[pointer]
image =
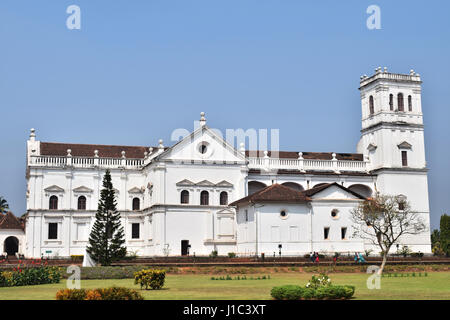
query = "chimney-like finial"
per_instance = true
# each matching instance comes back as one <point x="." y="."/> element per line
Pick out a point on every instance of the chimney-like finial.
<point x="160" y="146"/>
<point x="32" y="134"/>
<point x="150" y="150"/>
<point x="202" y="119"/>
<point x="96" y="153"/>
<point x="69" y="152"/>
<point x="123" y="154"/>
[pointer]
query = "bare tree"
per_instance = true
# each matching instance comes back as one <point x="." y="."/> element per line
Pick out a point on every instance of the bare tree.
<point x="383" y="220"/>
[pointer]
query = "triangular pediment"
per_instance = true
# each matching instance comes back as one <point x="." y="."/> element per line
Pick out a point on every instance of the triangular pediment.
<point x="205" y="183"/>
<point x="83" y="189"/>
<point x="135" y="190"/>
<point x="333" y="191"/>
<point x="224" y="184"/>
<point x="404" y="145"/>
<point x="185" y="182"/>
<point x="190" y="149"/>
<point x="54" y="188"/>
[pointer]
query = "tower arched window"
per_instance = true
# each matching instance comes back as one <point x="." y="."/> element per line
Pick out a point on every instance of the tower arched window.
<point x="136" y="204"/>
<point x="53" y="203"/>
<point x="81" y="203"/>
<point x="223" y="198"/>
<point x="185" y="196"/>
<point x="204" y="198"/>
<point x="409" y="103"/>
<point x="371" y="107"/>
<point x="391" y="102"/>
<point x="400" y="102"/>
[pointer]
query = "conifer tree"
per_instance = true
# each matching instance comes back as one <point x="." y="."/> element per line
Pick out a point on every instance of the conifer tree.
<point x="107" y="238"/>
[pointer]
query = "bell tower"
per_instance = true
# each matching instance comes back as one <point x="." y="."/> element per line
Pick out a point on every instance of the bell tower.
<point x="392" y="139"/>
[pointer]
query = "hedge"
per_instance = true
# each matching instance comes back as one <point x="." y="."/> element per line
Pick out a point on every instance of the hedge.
<point x="113" y="293"/>
<point x="149" y="278"/>
<point x="294" y="292"/>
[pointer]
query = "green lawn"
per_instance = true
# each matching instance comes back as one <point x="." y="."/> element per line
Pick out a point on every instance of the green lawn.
<point x="435" y="286"/>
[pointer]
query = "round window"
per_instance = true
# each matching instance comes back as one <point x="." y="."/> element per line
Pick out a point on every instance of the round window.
<point x="203" y="148"/>
<point x="283" y="214"/>
<point x="334" y="213"/>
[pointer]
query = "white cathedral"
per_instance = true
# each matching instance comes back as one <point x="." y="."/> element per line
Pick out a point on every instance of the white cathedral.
<point x="202" y="194"/>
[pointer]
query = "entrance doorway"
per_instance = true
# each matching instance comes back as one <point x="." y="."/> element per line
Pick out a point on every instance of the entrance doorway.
<point x="11" y="246"/>
<point x="185" y="247"/>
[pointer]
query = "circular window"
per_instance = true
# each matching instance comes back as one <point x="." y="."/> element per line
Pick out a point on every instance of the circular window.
<point x="203" y="148"/>
<point x="334" y="213"/>
<point x="283" y="214"/>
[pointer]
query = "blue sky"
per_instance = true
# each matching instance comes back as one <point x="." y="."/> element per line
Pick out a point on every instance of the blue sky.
<point x="139" y="69"/>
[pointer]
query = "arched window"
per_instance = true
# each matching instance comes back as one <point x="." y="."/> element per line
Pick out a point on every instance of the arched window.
<point x="223" y="198"/>
<point x="82" y="203"/>
<point x="53" y="205"/>
<point x="391" y="102"/>
<point x="204" y="198"/>
<point x="409" y="103"/>
<point x="400" y="102"/>
<point x="136" y="204"/>
<point x="184" y="196"/>
<point x="371" y="107"/>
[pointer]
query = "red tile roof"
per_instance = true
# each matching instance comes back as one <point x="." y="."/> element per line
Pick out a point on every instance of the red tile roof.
<point x="10" y="221"/>
<point x="87" y="150"/>
<point x="273" y="193"/>
<point x="281" y="193"/>
<point x="309" y="155"/>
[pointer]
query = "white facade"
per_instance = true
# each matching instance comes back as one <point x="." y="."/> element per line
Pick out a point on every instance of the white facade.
<point x="204" y="162"/>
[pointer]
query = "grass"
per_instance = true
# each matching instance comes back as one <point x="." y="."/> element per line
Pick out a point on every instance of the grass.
<point x="187" y="287"/>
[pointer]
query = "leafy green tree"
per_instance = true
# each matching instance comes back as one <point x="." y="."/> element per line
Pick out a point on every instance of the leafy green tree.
<point x="107" y="238"/>
<point x="4" y="206"/>
<point x="445" y="234"/>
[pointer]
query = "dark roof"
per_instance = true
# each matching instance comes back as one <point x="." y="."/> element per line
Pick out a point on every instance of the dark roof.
<point x="281" y="193"/>
<point x="309" y="155"/>
<point x="313" y="172"/>
<point x="87" y="150"/>
<point x="273" y="193"/>
<point x="10" y="221"/>
<point x="315" y="190"/>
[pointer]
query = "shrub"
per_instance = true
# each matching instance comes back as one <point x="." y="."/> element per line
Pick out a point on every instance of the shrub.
<point x="153" y="279"/>
<point x="294" y="292"/>
<point x="113" y="293"/>
<point x="213" y="254"/>
<point x="71" y="294"/>
<point x="76" y="257"/>
<point x="27" y="276"/>
<point x="231" y="255"/>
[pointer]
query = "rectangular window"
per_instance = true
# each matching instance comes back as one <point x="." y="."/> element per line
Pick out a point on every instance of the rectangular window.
<point x="294" y="233"/>
<point x="135" y="230"/>
<point x="81" y="231"/>
<point x="246" y="215"/>
<point x="343" y="233"/>
<point x="53" y="231"/>
<point x="326" y="233"/>
<point x="404" y="158"/>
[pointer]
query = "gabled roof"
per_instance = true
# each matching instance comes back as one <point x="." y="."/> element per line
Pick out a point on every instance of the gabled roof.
<point x="281" y="193"/>
<point x="273" y="193"/>
<point x="10" y="221"/>
<point x="313" y="191"/>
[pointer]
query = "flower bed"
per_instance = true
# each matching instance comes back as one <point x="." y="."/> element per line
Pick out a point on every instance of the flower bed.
<point x="30" y="274"/>
<point x="113" y="293"/>
<point x="319" y="287"/>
